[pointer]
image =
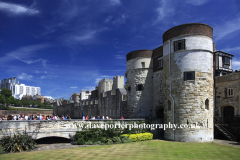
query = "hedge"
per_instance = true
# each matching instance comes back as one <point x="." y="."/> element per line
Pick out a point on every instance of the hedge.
<point x="139" y="136"/>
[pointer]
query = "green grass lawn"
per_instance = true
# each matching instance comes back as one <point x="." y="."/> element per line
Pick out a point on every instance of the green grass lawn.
<point x="154" y="149"/>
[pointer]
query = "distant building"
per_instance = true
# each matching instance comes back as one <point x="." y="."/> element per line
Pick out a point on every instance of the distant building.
<point x="9" y="83"/>
<point x="19" y="90"/>
<point x="48" y="99"/>
<point x="222" y="63"/>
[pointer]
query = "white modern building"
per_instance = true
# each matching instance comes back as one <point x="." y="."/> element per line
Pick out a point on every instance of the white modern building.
<point x="19" y="90"/>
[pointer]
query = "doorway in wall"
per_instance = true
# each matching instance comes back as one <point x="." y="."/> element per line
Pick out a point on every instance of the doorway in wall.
<point x="228" y="114"/>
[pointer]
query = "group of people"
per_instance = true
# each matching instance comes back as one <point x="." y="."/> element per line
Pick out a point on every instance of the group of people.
<point x="45" y="117"/>
<point x="98" y="117"/>
<point x="32" y="117"/>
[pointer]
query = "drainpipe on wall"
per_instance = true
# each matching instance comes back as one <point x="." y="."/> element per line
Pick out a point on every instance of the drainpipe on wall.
<point x="171" y="85"/>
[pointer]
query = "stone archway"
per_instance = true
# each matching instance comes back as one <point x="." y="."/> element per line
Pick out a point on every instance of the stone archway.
<point x="160" y="113"/>
<point x="228" y="114"/>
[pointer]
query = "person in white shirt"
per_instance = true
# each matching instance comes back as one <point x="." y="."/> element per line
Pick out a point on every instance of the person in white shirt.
<point x="40" y="117"/>
<point x="26" y="117"/>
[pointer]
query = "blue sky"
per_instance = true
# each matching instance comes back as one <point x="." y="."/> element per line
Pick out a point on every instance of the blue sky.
<point x="64" y="46"/>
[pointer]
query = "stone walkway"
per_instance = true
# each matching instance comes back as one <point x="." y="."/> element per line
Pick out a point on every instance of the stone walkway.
<point x="225" y="142"/>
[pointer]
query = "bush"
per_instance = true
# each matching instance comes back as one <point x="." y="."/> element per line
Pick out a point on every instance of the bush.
<point x="109" y="141"/>
<point x="134" y="137"/>
<point x="1" y="150"/>
<point x="139" y="136"/>
<point x="117" y="140"/>
<point x="80" y="141"/>
<point x="125" y="139"/>
<point x="98" y="143"/>
<point x="89" y="142"/>
<point x="103" y="139"/>
<point x="17" y="143"/>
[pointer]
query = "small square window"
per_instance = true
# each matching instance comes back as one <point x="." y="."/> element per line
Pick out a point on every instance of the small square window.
<point x="139" y="87"/>
<point x="179" y="45"/>
<point x="143" y="64"/>
<point x="189" y="75"/>
<point x="226" y="60"/>
<point x="230" y="92"/>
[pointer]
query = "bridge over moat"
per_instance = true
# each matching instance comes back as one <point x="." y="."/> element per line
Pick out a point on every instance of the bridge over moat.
<point x="57" y="128"/>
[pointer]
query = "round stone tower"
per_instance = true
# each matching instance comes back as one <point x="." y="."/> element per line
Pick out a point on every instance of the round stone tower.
<point x="139" y="84"/>
<point x="188" y="76"/>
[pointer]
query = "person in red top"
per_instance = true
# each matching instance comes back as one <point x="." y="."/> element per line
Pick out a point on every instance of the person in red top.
<point x="122" y="117"/>
<point x="43" y="117"/>
<point x="87" y="118"/>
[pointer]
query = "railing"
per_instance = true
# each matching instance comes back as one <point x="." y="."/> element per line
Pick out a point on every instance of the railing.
<point x="230" y="121"/>
<point x="226" y="131"/>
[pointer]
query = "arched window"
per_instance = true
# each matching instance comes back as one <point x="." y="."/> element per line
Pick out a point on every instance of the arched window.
<point x="169" y="105"/>
<point x="207" y="104"/>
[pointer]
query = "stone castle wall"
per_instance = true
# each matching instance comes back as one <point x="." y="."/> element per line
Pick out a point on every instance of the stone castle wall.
<point x="189" y="97"/>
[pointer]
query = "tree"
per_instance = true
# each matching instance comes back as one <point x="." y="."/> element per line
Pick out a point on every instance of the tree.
<point x="6" y="92"/>
<point x="2" y="99"/>
<point x="11" y="100"/>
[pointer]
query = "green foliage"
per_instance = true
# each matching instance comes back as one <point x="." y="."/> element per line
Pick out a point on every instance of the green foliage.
<point x="134" y="137"/>
<point x="98" y="143"/>
<point x="103" y="139"/>
<point x="139" y="136"/>
<point x="1" y="150"/>
<point x="109" y="142"/>
<point x="125" y="139"/>
<point x="6" y="92"/>
<point x="89" y="142"/>
<point x="135" y="130"/>
<point x="80" y="141"/>
<point x="117" y="140"/>
<point x="17" y="143"/>
<point x="2" y="99"/>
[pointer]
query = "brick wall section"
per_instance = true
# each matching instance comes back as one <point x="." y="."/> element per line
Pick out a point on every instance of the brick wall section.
<point x="191" y="28"/>
<point x="222" y="84"/>
<point x="139" y="53"/>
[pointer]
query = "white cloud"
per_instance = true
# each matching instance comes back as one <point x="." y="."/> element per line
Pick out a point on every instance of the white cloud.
<point x="165" y="10"/>
<point x="45" y="72"/>
<point x="226" y="28"/>
<point x="97" y="80"/>
<point x="109" y="18"/>
<point x="120" y="20"/>
<point x="74" y="87"/>
<point x="89" y="88"/>
<point x="25" y="54"/>
<point x="197" y="2"/>
<point x="232" y="49"/>
<point x="24" y="76"/>
<point x="48" y="77"/>
<point x="16" y="9"/>
<point x="119" y="56"/>
<point x="236" y="65"/>
<point x="115" y="2"/>
<point x="81" y="37"/>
